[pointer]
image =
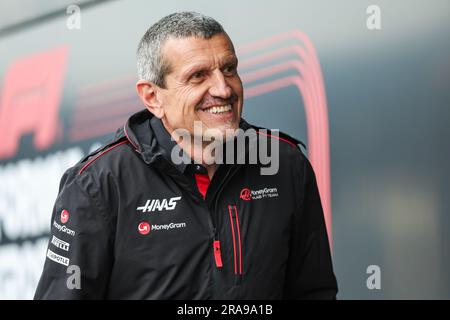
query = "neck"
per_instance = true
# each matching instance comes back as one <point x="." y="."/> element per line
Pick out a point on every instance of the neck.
<point x="211" y="170"/>
<point x="196" y="153"/>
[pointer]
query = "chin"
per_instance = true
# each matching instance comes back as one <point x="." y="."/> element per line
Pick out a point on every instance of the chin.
<point x="228" y="126"/>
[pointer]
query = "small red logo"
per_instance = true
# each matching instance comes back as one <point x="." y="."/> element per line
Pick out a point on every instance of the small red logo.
<point x="144" y="228"/>
<point x="64" y="216"/>
<point x="245" y="194"/>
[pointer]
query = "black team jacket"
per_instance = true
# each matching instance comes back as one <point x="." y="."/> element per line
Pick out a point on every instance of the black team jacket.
<point x="128" y="223"/>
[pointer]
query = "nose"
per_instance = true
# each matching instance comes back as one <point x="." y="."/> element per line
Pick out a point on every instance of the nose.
<point x="219" y="86"/>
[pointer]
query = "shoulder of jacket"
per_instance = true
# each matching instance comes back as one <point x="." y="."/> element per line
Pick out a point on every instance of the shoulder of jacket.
<point x="280" y="135"/>
<point x="104" y="150"/>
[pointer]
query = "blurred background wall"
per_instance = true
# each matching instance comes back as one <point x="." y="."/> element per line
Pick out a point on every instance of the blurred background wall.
<point x="365" y="84"/>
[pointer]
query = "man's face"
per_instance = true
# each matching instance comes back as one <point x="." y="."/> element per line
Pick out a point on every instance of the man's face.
<point x="202" y="84"/>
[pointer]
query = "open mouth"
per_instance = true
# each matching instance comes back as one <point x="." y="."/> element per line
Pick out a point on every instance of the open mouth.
<point x="218" y="109"/>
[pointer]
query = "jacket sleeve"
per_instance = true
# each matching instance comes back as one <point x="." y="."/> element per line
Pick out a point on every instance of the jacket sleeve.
<point x="79" y="254"/>
<point x="309" y="271"/>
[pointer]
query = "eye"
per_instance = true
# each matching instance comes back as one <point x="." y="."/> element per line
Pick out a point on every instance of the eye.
<point x="197" y="75"/>
<point x="230" y="69"/>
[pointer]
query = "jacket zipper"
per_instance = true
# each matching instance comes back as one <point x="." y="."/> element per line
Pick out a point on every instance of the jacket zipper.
<point x="216" y="243"/>
<point x="217" y="251"/>
<point x="237" y="242"/>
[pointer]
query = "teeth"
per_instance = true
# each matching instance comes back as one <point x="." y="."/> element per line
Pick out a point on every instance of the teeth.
<point x="219" y="109"/>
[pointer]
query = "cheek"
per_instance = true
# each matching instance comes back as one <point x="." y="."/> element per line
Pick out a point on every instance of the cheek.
<point x="238" y="90"/>
<point x="236" y="85"/>
<point x="189" y="98"/>
<point x="181" y="106"/>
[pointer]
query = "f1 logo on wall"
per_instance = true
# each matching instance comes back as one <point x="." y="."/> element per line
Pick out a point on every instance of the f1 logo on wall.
<point x="30" y="100"/>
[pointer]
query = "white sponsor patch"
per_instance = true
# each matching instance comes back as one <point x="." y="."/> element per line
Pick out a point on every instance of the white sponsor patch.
<point x="57" y="258"/>
<point x="60" y="244"/>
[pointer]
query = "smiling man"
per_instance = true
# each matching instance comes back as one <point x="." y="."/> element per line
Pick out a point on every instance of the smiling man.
<point x="130" y="222"/>
<point x="200" y="84"/>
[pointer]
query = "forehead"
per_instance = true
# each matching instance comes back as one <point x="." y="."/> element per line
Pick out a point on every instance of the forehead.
<point x="181" y="53"/>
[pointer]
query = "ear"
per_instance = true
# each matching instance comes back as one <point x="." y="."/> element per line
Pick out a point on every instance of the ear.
<point x="148" y="93"/>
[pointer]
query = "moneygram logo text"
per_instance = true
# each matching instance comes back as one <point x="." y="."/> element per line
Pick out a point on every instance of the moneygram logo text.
<point x="61" y="228"/>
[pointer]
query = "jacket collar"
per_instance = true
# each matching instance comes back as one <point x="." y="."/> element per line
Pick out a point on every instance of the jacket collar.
<point x="150" y="139"/>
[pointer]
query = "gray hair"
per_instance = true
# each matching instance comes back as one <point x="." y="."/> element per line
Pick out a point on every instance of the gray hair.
<point x="150" y="62"/>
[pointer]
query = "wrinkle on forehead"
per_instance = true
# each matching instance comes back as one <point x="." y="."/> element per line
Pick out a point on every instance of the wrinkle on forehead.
<point x="192" y="66"/>
<point x="189" y="53"/>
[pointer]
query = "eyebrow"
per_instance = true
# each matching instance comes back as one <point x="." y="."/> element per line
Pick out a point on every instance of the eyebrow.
<point x="193" y="69"/>
<point x="229" y="60"/>
<point x="203" y="66"/>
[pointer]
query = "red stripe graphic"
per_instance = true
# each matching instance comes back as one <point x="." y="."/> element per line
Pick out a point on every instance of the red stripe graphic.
<point x="101" y="154"/>
<point x="310" y="84"/>
<point x="279" y="138"/>
<point x="234" y="239"/>
<point x="239" y="239"/>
